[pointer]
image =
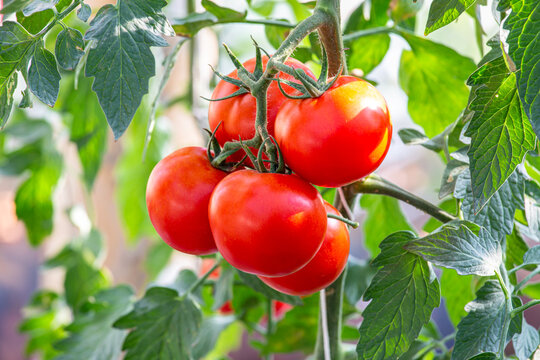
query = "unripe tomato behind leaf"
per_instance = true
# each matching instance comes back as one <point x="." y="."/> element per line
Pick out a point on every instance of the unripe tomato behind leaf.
<point x="177" y="196"/>
<point x="266" y="224"/>
<point x="237" y="115"/>
<point x="337" y="138"/>
<point x="324" y="268"/>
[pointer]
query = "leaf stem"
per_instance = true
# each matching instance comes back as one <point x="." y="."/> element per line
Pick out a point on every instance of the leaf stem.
<point x="280" y="23"/>
<point x="524" y="307"/>
<point x="57" y="19"/>
<point x="374" y="184"/>
<point x="351" y="223"/>
<point x="502" y="276"/>
<point x="203" y="278"/>
<point x="367" y="32"/>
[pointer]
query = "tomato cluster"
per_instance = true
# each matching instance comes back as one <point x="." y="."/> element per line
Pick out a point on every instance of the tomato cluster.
<point x="269" y="224"/>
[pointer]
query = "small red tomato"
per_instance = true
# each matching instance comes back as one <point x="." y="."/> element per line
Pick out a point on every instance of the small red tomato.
<point x="266" y="224"/>
<point x="237" y="115"/>
<point x="177" y="196"/>
<point x="337" y="138"/>
<point x="324" y="268"/>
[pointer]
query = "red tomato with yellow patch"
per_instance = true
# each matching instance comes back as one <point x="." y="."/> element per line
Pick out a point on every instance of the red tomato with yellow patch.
<point x="177" y="196"/>
<point x="267" y="224"/>
<point x="337" y="138"/>
<point x="237" y="115"/>
<point x="324" y="268"/>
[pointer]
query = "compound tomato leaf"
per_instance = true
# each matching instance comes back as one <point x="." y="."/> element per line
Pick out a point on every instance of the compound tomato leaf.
<point x="532" y="256"/>
<point x="443" y="12"/>
<point x="69" y="48"/>
<point x="211" y="329"/>
<point x="481" y="329"/>
<point x="376" y="228"/>
<point x="457" y="291"/>
<point x="497" y="215"/>
<point x="43" y="76"/>
<point x="91" y="333"/>
<point x="433" y="76"/>
<point x="500" y="133"/>
<point x="163" y="326"/>
<point x="253" y="282"/>
<point x="121" y="59"/>
<point x="461" y="246"/>
<point x="526" y="342"/>
<point x="403" y="294"/>
<point x="523" y="43"/>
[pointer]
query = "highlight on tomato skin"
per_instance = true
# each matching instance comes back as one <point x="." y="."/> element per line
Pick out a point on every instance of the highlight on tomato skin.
<point x="177" y="196"/>
<point x="265" y="223"/>
<point x="324" y="268"/>
<point x="337" y="138"/>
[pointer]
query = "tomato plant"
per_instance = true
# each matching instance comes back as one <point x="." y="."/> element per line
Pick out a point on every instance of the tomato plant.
<point x="94" y="95"/>
<point x="337" y="138"/>
<point x="272" y="231"/>
<point x="177" y="197"/>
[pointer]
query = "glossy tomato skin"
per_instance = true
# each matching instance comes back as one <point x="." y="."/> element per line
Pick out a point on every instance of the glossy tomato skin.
<point x="266" y="224"/>
<point x="177" y="196"/>
<point x="324" y="268"/>
<point x="337" y="138"/>
<point x="237" y="115"/>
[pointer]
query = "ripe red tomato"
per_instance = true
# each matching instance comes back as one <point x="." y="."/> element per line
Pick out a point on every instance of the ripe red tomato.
<point x="324" y="268"/>
<point x="337" y="138"/>
<point x="177" y="196"/>
<point x="237" y="115"/>
<point x="266" y="224"/>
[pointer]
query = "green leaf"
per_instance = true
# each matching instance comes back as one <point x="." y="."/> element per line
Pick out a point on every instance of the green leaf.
<point x="163" y="326"/>
<point x="523" y="43"/>
<point x="532" y="256"/>
<point x="415" y="137"/>
<point x="480" y="331"/>
<point x="15" y="46"/>
<point x="457" y="291"/>
<point x="367" y="52"/>
<point x="211" y="329"/>
<point x="92" y="336"/>
<point x="87" y="126"/>
<point x="526" y="342"/>
<point x="43" y="323"/>
<point x="461" y="246"/>
<point x="43" y="76"/>
<point x="84" y="12"/>
<point x="357" y="279"/>
<point x="222" y="12"/>
<point x="253" y="282"/>
<point x="297" y="331"/>
<point x="12" y="6"/>
<point x="497" y="215"/>
<point x="157" y="258"/>
<point x="38" y="5"/>
<point x="191" y="24"/>
<point x="451" y="173"/>
<point x="501" y="136"/>
<point x="376" y="227"/>
<point x="531" y="290"/>
<point x="69" y="48"/>
<point x="33" y="200"/>
<point x="6" y="98"/>
<point x="276" y="34"/>
<point x="403" y="294"/>
<point x="443" y="12"/>
<point x="433" y="76"/>
<point x="121" y="59"/>
<point x="485" y="356"/>
<point x="224" y="286"/>
<point x="515" y="249"/>
<point x="35" y="22"/>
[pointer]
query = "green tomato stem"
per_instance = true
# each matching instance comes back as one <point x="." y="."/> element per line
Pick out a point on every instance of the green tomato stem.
<point x="374" y="184"/>
<point x="351" y="223"/>
<point x="524" y="307"/>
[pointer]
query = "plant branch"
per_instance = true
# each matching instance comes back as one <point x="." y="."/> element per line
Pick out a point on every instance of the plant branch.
<point x="502" y="276"/>
<point x="524" y="307"/>
<point x="367" y="32"/>
<point x="527" y="278"/>
<point x="58" y="18"/>
<point x="374" y="184"/>
<point x="203" y="278"/>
